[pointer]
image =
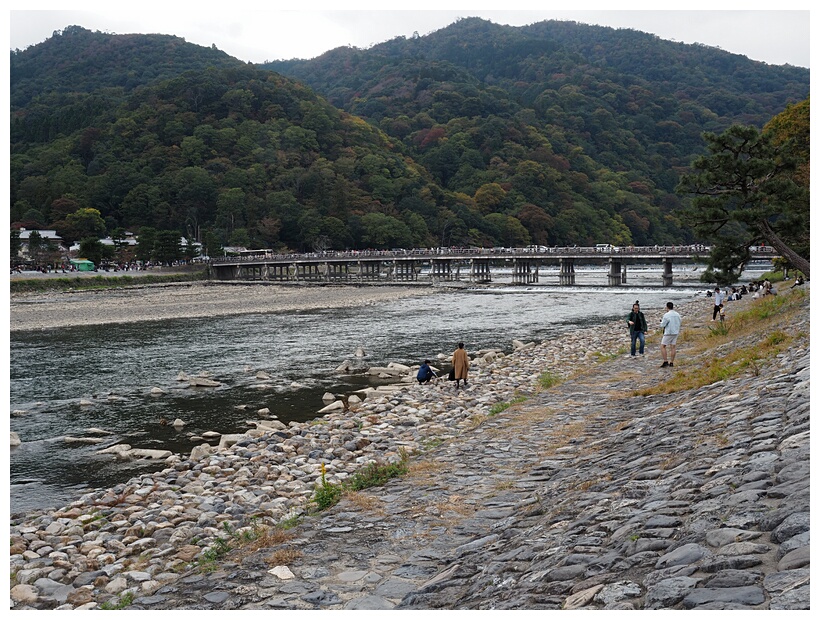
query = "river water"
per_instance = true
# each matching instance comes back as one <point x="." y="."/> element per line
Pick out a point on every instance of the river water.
<point x="115" y="366"/>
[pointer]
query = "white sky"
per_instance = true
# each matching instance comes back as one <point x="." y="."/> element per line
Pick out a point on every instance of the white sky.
<point x="254" y="32"/>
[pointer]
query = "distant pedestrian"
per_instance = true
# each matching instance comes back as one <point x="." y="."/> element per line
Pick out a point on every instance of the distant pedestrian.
<point x="425" y="372"/>
<point x="718" y="296"/>
<point x="722" y="313"/>
<point x="670" y="323"/>
<point x="637" y="328"/>
<point x="461" y="364"/>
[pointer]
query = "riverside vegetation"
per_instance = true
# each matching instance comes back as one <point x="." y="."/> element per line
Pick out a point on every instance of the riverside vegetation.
<point x="565" y="476"/>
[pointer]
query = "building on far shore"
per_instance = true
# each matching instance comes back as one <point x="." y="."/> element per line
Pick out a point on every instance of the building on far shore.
<point x="46" y="236"/>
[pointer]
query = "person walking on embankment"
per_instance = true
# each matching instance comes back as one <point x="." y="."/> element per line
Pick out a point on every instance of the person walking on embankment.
<point x="461" y="364"/>
<point x="670" y="323"/>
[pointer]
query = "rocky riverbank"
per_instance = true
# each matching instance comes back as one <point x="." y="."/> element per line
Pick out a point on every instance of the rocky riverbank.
<point x="587" y="494"/>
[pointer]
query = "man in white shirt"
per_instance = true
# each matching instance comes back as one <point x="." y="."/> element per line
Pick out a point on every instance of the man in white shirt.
<point x="719" y="296"/>
<point x="670" y="323"/>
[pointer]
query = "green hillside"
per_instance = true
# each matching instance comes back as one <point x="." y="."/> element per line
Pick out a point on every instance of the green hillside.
<point x="554" y="133"/>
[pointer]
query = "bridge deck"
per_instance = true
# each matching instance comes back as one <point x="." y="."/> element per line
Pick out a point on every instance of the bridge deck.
<point x="450" y="264"/>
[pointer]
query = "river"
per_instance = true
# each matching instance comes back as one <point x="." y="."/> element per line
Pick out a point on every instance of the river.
<point x="115" y="366"/>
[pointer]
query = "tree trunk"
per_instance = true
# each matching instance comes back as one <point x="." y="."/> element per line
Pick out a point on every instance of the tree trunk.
<point x="797" y="261"/>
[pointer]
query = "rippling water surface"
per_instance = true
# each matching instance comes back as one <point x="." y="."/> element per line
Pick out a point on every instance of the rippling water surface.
<point x="115" y="367"/>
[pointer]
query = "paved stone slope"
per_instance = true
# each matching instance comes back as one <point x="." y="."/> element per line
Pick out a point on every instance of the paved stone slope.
<point x="581" y="496"/>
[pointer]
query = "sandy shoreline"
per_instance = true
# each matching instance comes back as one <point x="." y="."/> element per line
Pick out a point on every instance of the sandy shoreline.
<point x="188" y="300"/>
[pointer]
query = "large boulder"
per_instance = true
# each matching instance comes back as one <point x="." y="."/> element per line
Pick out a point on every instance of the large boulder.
<point x="144" y="453"/>
<point x="201" y="451"/>
<point x="334" y="406"/>
<point x="386" y="371"/>
<point x="226" y="441"/>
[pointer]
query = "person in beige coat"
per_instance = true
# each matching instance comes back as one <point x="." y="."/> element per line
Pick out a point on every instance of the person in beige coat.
<point x="461" y="364"/>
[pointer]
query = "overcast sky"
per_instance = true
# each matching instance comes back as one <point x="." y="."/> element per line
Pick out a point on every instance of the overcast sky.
<point x="252" y="31"/>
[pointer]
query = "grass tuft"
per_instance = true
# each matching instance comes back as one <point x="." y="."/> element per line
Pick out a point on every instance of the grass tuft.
<point x="548" y="379"/>
<point x="328" y="494"/>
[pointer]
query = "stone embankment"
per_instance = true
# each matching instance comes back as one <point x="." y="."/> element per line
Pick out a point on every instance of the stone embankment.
<point x="583" y="495"/>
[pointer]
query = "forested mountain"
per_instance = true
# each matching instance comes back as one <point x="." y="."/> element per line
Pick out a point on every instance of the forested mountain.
<point x="595" y="119"/>
<point x="250" y="156"/>
<point x="554" y="133"/>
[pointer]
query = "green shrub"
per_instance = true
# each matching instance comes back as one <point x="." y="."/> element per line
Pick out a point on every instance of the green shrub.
<point x="720" y="329"/>
<point x="375" y="475"/>
<point x="124" y="601"/>
<point x="548" y="380"/>
<point x="327" y="494"/>
<point x="498" y="408"/>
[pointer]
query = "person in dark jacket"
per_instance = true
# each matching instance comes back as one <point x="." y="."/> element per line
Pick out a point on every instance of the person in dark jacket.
<point x="425" y="372"/>
<point x="637" y="328"/>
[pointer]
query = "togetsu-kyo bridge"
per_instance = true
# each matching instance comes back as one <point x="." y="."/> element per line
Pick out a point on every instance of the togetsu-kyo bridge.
<point x="453" y="264"/>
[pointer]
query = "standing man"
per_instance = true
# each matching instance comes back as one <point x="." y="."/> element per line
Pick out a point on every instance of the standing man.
<point x="637" y="327"/>
<point x="670" y="323"/>
<point x="461" y="363"/>
<point x="718" y="300"/>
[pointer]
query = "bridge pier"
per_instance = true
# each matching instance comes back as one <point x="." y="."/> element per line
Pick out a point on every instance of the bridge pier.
<point x="369" y="270"/>
<point x="338" y="271"/>
<point x="566" y="275"/>
<point x="251" y="272"/>
<point x="309" y="272"/>
<point x="441" y="270"/>
<point x="614" y="275"/>
<point x="480" y="270"/>
<point x="667" y="272"/>
<point x="524" y="271"/>
<point x="405" y="271"/>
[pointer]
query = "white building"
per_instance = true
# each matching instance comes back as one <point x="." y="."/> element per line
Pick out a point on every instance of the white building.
<point x="45" y="235"/>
